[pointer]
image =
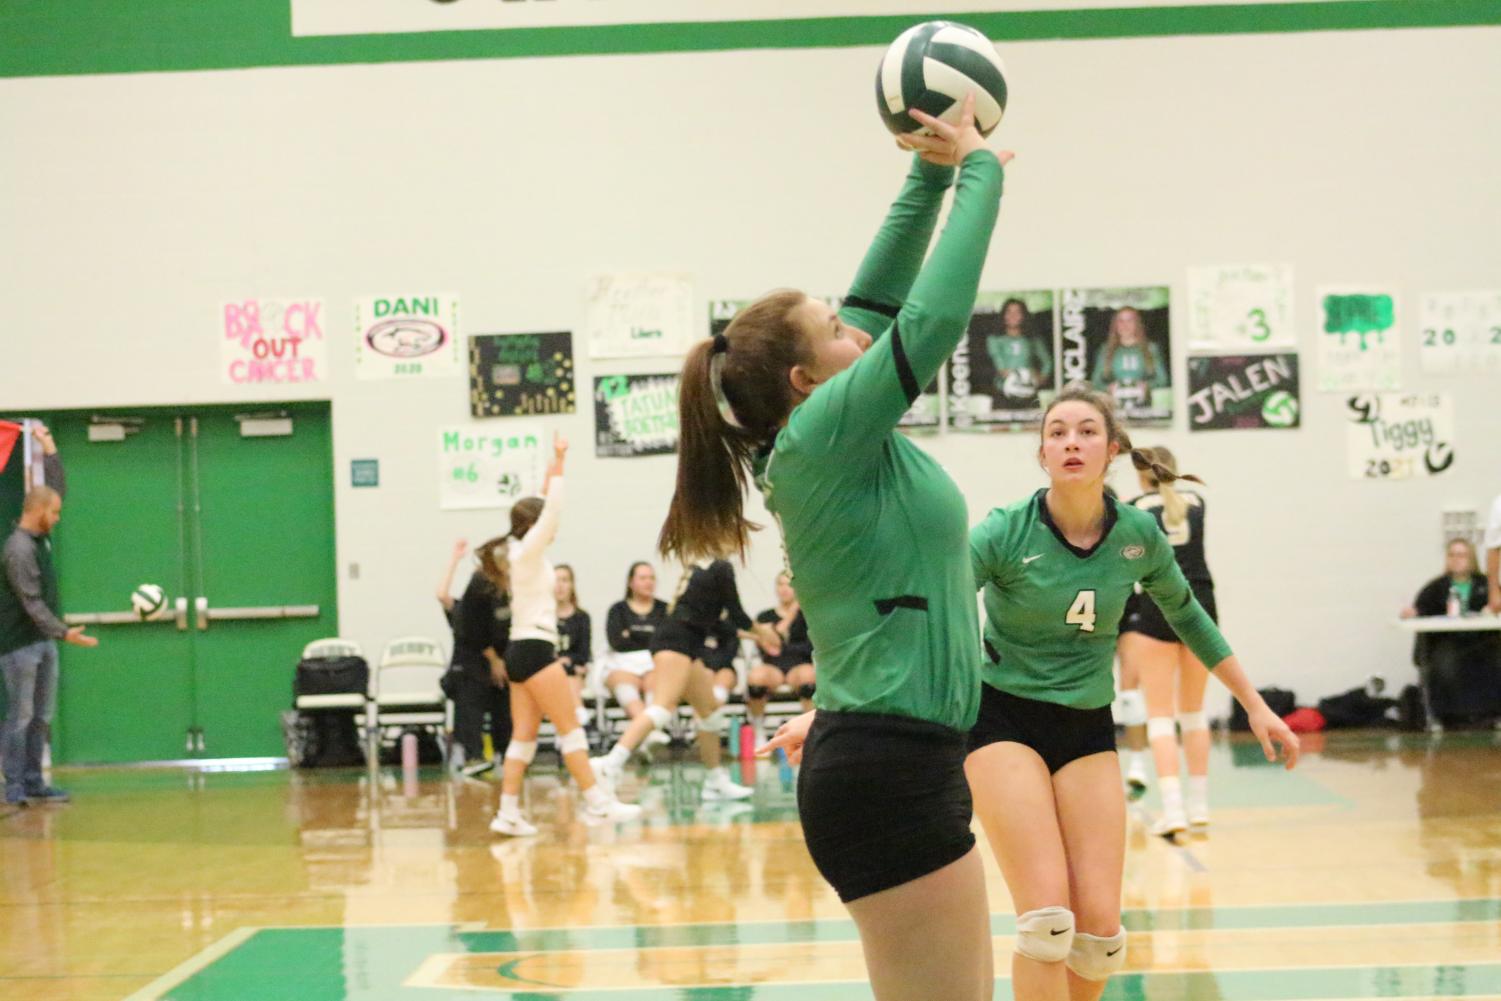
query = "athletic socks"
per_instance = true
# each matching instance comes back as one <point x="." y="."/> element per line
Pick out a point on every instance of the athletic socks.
<point x="618" y="756"/>
<point x="510" y="806"/>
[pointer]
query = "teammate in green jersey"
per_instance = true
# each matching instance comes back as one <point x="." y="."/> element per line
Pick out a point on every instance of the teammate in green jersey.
<point x="1056" y="570"/>
<point x="804" y="401"/>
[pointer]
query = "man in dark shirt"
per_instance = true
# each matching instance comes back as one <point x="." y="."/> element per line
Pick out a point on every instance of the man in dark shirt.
<point x="30" y="626"/>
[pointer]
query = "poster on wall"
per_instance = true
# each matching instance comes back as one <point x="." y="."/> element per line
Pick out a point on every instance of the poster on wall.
<point x="638" y="315"/>
<point x="1239" y="392"/>
<point x="925" y="414"/>
<point x="1358" y="346"/>
<point x="635" y="415"/>
<point x="487" y="467"/>
<point x="1002" y="376"/>
<point x="1460" y="333"/>
<point x="512" y="375"/>
<point x="273" y="341"/>
<point x="1118" y="340"/>
<point x="1396" y="436"/>
<point x="1241" y="308"/>
<point x="407" y="336"/>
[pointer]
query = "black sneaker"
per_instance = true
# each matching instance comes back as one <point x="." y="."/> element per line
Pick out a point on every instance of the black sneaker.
<point x="15" y="797"/>
<point x="48" y="794"/>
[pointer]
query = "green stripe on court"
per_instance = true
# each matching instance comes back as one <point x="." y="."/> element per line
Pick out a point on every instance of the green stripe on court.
<point x="373" y="963"/>
<point x="73" y="37"/>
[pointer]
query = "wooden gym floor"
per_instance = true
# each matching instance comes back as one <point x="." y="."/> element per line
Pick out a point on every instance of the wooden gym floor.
<point x="1374" y="871"/>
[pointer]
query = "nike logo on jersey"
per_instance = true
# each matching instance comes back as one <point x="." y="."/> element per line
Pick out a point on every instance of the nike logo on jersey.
<point x="1029" y="559"/>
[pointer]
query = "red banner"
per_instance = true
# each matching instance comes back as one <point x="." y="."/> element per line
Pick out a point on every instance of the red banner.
<point x="9" y="435"/>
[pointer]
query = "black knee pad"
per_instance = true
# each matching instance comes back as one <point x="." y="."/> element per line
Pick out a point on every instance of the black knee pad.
<point x="806" y="691"/>
<point x="756" y="691"/>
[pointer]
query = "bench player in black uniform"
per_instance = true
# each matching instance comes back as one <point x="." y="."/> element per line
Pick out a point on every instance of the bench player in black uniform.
<point x="629" y="627"/>
<point x="792" y="666"/>
<point x="707" y="590"/>
<point x="1167" y="665"/>
<point x="575" y="644"/>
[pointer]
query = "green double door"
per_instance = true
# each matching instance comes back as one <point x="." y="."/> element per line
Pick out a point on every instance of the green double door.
<point x="231" y="514"/>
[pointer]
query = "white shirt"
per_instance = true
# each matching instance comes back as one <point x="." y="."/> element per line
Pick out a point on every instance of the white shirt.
<point x="1493" y="527"/>
<point x="534" y="605"/>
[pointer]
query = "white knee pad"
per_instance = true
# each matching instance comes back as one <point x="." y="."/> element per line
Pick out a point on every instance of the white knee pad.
<point x="1045" y="934"/>
<point x="715" y="722"/>
<point x="1133" y="707"/>
<point x="522" y="750"/>
<point x="1096" y="957"/>
<point x="659" y="717"/>
<point x="1189" y="722"/>
<point x="1160" y="726"/>
<point x="626" y="694"/>
<point x="573" y="740"/>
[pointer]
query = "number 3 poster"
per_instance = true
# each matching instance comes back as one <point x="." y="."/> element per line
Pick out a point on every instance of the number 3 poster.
<point x="1241" y="309"/>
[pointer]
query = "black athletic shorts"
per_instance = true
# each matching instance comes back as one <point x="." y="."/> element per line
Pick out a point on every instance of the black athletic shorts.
<point x="524" y="658"/>
<point x="679" y="637"/>
<point x="882" y="799"/>
<point x="1059" y="734"/>
<point x="1150" y="621"/>
<point x="718" y="658"/>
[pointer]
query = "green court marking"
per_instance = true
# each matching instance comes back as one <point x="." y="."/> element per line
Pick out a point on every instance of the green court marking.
<point x="372" y="963"/>
<point x="70" y="37"/>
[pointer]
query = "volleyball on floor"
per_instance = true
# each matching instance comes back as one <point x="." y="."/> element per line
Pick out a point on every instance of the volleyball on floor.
<point x="147" y="600"/>
<point x="931" y="67"/>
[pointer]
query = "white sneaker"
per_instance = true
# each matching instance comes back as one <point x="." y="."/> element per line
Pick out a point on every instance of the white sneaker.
<point x="606" y="772"/>
<point x="1170" y="823"/>
<point x="1198" y="814"/>
<point x="612" y="810"/>
<point x="1136" y="776"/>
<point x="512" y="826"/>
<point x="719" y="786"/>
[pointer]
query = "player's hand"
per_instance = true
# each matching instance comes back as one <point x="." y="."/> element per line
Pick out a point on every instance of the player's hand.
<point x="559" y="446"/>
<point x="77" y="638"/>
<point x="1269" y="728"/>
<point x="790" y="736"/>
<point x="944" y="144"/>
<point x="459" y="549"/>
<point x="768" y="639"/>
<point x="1408" y="613"/>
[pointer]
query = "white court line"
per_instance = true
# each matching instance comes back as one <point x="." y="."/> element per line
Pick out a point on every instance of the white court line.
<point x="181" y="972"/>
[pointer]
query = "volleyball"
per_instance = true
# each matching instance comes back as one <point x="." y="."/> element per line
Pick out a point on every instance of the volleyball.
<point x="147" y="600"/>
<point x="1280" y="409"/>
<point x="931" y="67"/>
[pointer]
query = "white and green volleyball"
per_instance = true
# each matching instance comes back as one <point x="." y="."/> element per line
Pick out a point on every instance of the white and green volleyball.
<point x="148" y="600"/>
<point x="930" y="67"/>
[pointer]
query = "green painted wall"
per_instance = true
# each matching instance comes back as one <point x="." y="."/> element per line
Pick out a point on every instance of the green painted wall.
<point x="72" y="37"/>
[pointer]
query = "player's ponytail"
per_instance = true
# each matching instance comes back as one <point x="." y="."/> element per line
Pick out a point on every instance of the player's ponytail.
<point x="1174" y="507"/>
<point x="734" y="395"/>
<point x="495" y="562"/>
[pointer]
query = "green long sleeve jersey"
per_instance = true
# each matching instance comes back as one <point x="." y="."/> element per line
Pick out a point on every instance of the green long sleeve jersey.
<point x="875" y="531"/>
<point x="1011" y="353"/>
<point x="1129" y="365"/>
<point x="1053" y="611"/>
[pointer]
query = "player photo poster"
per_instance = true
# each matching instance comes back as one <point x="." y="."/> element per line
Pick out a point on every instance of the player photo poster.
<point x="1398" y="436"/>
<point x="1002" y="375"/>
<point x="1117" y="340"/>
<point x="515" y="374"/>
<point x="635" y="415"/>
<point x="1236" y="392"/>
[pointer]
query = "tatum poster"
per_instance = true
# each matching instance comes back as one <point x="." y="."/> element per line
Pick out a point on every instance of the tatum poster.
<point x="925" y="414"/>
<point x="635" y="415"/>
<point x="1002" y="374"/>
<point x="515" y="374"/>
<point x="1233" y="392"/>
<point x="1117" y="339"/>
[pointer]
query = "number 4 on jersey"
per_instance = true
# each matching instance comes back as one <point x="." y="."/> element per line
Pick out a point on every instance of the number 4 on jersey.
<point x="1081" y="612"/>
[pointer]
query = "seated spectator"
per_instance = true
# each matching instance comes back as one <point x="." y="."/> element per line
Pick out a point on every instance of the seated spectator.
<point x="1461" y="670"/>
<point x="793" y="666"/>
<point x="629" y="627"/>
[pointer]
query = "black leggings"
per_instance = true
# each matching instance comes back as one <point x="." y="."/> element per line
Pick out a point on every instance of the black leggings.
<point x="473" y="697"/>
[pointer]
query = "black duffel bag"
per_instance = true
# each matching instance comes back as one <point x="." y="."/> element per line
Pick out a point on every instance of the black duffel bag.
<point x="331" y="676"/>
<point x="1278" y="700"/>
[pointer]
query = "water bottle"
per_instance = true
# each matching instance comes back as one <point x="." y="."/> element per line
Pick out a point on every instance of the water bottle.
<point x="1454" y="606"/>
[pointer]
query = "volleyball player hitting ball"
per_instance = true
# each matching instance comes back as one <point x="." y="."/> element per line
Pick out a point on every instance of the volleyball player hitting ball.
<point x="801" y="399"/>
<point x="1170" y="673"/>
<point x="1056" y="570"/>
<point x="539" y="685"/>
<point x="708" y="590"/>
